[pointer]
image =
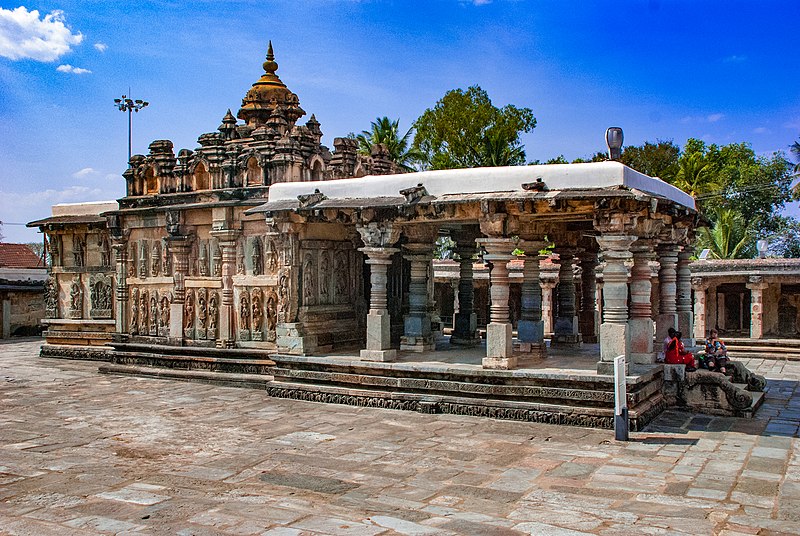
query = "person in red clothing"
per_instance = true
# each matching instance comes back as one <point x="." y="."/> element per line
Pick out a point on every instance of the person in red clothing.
<point x="677" y="355"/>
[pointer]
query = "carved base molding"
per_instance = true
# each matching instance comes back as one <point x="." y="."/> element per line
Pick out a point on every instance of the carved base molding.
<point x="87" y="353"/>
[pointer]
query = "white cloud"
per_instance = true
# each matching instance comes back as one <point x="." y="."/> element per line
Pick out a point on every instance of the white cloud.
<point x="85" y="172"/>
<point x="101" y="47"/>
<point x="67" y="68"/>
<point x="761" y="130"/>
<point x="23" y="35"/>
<point x="713" y="118"/>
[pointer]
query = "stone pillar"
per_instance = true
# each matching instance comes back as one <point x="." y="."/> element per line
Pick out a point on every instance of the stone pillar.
<point x="227" y="243"/>
<point x="465" y="322"/>
<point x="180" y="247"/>
<point x="614" y="332"/>
<point x="417" y="334"/>
<point x="699" y="308"/>
<point x="530" y="328"/>
<point x="121" y="306"/>
<point x="683" y="305"/>
<point x="378" y="319"/>
<point x="547" y="305"/>
<point x="667" y="278"/>
<point x="640" y="324"/>
<point x="499" y="346"/>
<point x="757" y="286"/>
<point x="588" y="317"/>
<point x="565" y="332"/>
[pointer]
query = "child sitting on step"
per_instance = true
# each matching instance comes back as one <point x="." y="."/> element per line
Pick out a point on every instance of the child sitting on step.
<point x="716" y="358"/>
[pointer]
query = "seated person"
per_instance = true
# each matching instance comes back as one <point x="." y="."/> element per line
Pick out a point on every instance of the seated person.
<point x="669" y="337"/>
<point x="676" y="354"/>
<point x="716" y="353"/>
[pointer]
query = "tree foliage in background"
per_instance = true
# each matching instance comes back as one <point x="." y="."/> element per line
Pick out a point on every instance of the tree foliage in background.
<point x="384" y="130"/>
<point x="659" y="159"/>
<point x="464" y="129"/>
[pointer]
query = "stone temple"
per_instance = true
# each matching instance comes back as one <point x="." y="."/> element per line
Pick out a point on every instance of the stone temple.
<point x="263" y="259"/>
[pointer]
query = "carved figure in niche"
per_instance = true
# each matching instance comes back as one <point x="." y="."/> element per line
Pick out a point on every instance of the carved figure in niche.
<point x="272" y="256"/>
<point x="216" y="262"/>
<point x="341" y="277"/>
<point x="188" y="311"/>
<point x="256" y="256"/>
<point x="132" y="261"/>
<point x="134" y="321"/>
<point x="76" y="299"/>
<point x="324" y="277"/>
<point x="105" y="251"/>
<point x="100" y="296"/>
<point x="143" y="300"/>
<point x="166" y="259"/>
<point x="163" y="320"/>
<point x="173" y="222"/>
<point x="244" y="312"/>
<point x="194" y="254"/>
<point x="272" y="316"/>
<point x="239" y="258"/>
<point x="213" y="312"/>
<point x="202" y="309"/>
<point x="79" y="250"/>
<point x="55" y="250"/>
<point x="308" y="280"/>
<point x="258" y="313"/>
<point x="283" y="298"/>
<point x="143" y="259"/>
<point x="153" y="315"/>
<point x="51" y="297"/>
<point x="203" y="260"/>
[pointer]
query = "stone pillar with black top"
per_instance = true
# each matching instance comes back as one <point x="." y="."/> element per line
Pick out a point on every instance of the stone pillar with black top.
<point x="378" y="240"/>
<point x="499" y="344"/>
<point x="614" y="331"/>
<point x="565" y="331"/>
<point x="530" y="327"/>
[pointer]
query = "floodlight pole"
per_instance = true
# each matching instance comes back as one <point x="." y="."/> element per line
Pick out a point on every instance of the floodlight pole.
<point x="126" y="104"/>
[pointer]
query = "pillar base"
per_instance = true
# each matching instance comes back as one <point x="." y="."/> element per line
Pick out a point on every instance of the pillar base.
<point x="290" y="339"/>
<point x="469" y="340"/>
<point x="378" y="355"/>
<point x="176" y="321"/>
<point x="643" y="359"/>
<point x="606" y="368"/>
<point x="530" y="331"/>
<point x="614" y="341"/>
<point x="499" y="363"/>
<point x="498" y="341"/>
<point x="417" y="344"/>
<point x="572" y="340"/>
<point x="664" y="322"/>
<point x="532" y="350"/>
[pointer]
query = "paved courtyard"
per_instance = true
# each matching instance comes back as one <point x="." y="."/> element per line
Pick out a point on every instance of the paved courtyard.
<point x="83" y="453"/>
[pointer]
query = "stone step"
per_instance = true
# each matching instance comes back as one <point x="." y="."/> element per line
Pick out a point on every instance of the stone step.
<point x="203" y="351"/>
<point x="784" y="343"/>
<point x="763" y="353"/>
<point x="252" y="381"/>
<point x="226" y="365"/>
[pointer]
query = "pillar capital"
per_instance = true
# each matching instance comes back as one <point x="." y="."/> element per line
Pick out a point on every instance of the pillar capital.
<point x="497" y="249"/>
<point x="378" y="235"/>
<point x="616" y="246"/>
<point x="756" y="282"/>
<point x="378" y="255"/>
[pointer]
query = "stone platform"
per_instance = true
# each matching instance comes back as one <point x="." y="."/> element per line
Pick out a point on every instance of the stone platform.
<point x="563" y="388"/>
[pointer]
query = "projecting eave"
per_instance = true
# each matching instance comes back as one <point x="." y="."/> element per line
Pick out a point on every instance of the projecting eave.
<point x="554" y="181"/>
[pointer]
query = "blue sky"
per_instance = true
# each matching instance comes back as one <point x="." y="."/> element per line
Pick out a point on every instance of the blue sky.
<point x="720" y="71"/>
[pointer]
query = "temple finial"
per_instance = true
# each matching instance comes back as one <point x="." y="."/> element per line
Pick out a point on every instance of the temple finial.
<point x="270" y="66"/>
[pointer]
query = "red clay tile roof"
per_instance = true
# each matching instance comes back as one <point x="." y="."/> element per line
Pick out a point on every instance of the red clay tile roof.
<point x="18" y="256"/>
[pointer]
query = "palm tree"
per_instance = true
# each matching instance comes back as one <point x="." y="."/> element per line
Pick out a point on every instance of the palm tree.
<point x="693" y="176"/>
<point x="730" y="238"/>
<point x="795" y="149"/>
<point x="384" y="130"/>
<point x="496" y="150"/>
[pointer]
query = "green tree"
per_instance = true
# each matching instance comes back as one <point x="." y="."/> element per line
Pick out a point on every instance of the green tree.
<point x="795" y="149"/>
<point x="659" y="159"/>
<point x="464" y="129"/>
<point x="693" y="175"/>
<point x="384" y="130"/>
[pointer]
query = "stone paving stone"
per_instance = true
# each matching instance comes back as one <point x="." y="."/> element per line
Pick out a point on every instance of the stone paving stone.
<point x="84" y="453"/>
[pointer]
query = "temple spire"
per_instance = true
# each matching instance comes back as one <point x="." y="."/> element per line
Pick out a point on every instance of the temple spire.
<point x="270" y="66"/>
